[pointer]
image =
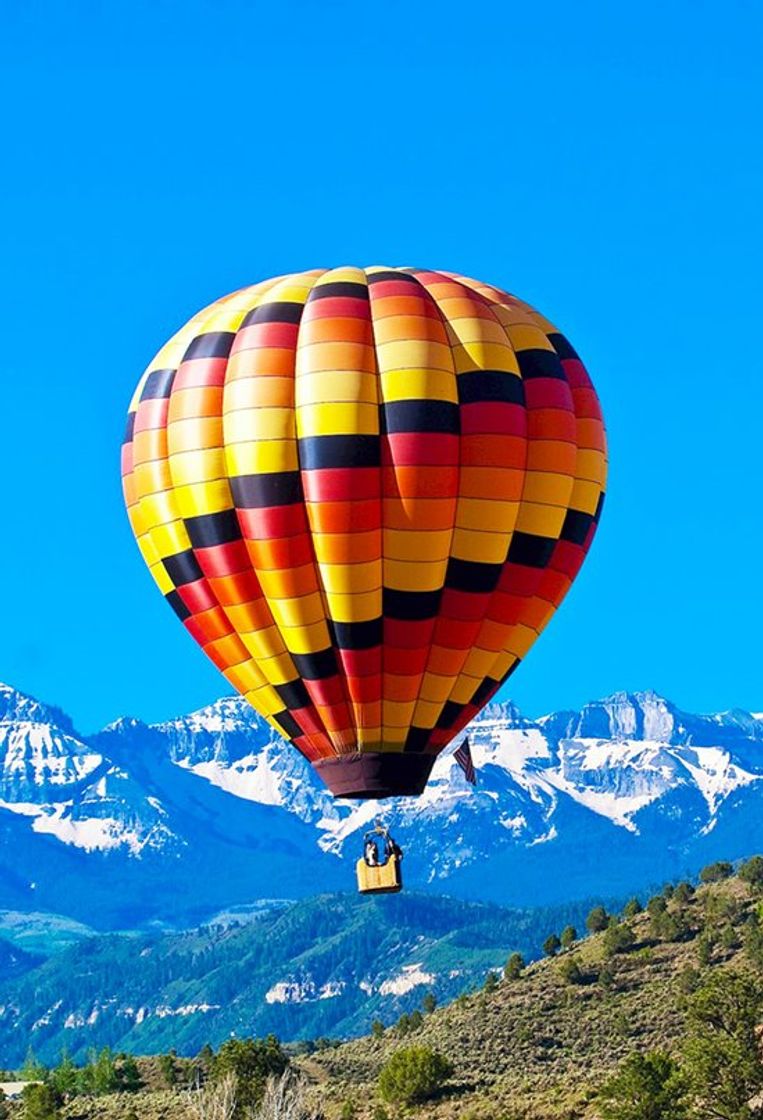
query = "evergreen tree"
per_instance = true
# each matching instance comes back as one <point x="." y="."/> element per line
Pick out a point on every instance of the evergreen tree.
<point x="722" y="1055"/>
<point x="65" y="1077"/>
<point x="167" y="1068"/>
<point x="716" y="872"/>
<point x="429" y="1002"/>
<point x="618" y="938"/>
<point x="491" y="982"/>
<point x="751" y="872"/>
<point x="632" y="908"/>
<point x="377" y="1028"/>
<point x="413" y="1075"/>
<point x="515" y="966"/>
<point x="569" y="937"/>
<point x="41" y="1102"/>
<point x="128" y="1073"/>
<point x="597" y="920"/>
<point x="252" y="1062"/>
<point x="551" y="945"/>
<point x="684" y="893"/>
<point x="646" y="1087"/>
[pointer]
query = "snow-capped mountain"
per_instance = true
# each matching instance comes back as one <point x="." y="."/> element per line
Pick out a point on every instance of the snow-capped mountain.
<point x="172" y="820"/>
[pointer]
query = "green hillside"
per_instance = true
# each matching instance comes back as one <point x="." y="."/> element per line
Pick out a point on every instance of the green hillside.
<point x="544" y="1044"/>
<point x="669" y="996"/>
<point x="323" y="966"/>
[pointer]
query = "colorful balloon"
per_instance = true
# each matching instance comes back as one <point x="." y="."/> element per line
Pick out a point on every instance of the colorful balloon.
<point x="365" y="492"/>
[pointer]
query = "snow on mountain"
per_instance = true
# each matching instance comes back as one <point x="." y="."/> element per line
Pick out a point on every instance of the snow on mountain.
<point x="627" y="784"/>
<point x="65" y="787"/>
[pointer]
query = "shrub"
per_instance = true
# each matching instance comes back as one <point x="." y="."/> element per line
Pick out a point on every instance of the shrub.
<point x="751" y="871"/>
<point x="551" y="945"/>
<point x="716" y="872"/>
<point x="606" y="977"/>
<point x="646" y="1087"/>
<point x="656" y="905"/>
<point x="618" y="939"/>
<point x="597" y="920"/>
<point x="412" y="1075"/>
<point x="669" y="927"/>
<point x="377" y="1028"/>
<point x="515" y="966"/>
<point x="632" y="908"/>
<point x="570" y="970"/>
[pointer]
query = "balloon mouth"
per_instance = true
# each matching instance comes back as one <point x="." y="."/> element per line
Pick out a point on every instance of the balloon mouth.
<point x="376" y="774"/>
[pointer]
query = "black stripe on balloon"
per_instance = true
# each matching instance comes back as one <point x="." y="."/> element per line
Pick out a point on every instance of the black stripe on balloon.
<point x="599" y="507"/>
<point x="416" y="740"/>
<point x="182" y="568"/>
<point x="358" y="635"/>
<point x="288" y="725"/>
<point x="540" y="363"/>
<point x="484" y="691"/>
<point x="471" y="575"/>
<point x="285" y="312"/>
<point x="449" y="714"/>
<point x="328" y="452"/>
<point x="532" y="551"/>
<point x="562" y="346"/>
<point x="420" y="416"/>
<point x="129" y="428"/>
<point x="261" y="491"/>
<point x="315" y="666"/>
<point x="412" y="606"/>
<point x="158" y="384"/>
<point x="178" y="606"/>
<point x="576" y="526"/>
<point x="210" y="529"/>
<point x="343" y="288"/>
<point x="213" y="344"/>
<point x="294" y="694"/>
<point x="381" y="277"/>
<point x="490" y="385"/>
<point x="510" y="671"/>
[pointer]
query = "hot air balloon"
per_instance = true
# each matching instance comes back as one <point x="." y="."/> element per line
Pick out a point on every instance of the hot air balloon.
<point x="365" y="492"/>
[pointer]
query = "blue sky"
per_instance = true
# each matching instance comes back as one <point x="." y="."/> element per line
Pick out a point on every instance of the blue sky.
<point x="603" y="164"/>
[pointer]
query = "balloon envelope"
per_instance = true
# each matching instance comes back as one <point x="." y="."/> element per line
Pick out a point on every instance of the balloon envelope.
<point x="365" y="492"/>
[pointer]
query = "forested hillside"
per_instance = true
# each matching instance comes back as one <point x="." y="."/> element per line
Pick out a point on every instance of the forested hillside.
<point x="324" y="966"/>
<point x="656" y="1013"/>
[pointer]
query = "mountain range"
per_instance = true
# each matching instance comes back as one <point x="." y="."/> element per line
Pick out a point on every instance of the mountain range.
<point x="169" y="823"/>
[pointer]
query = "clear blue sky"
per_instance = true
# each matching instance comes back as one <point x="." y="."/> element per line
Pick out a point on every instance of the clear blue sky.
<point x="602" y="161"/>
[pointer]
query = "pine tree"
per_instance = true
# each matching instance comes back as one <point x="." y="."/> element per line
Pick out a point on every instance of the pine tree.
<point x="597" y="920"/>
<point x="551" y="945"/>
<point x="515" y="966"/>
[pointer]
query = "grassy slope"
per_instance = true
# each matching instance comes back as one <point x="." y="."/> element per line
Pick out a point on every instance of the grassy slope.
<point x="540" y="1046"/>
<point x="537" y="1048"/>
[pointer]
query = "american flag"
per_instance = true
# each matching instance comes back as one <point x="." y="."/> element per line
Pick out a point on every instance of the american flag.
<point x="463" y="756"/>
